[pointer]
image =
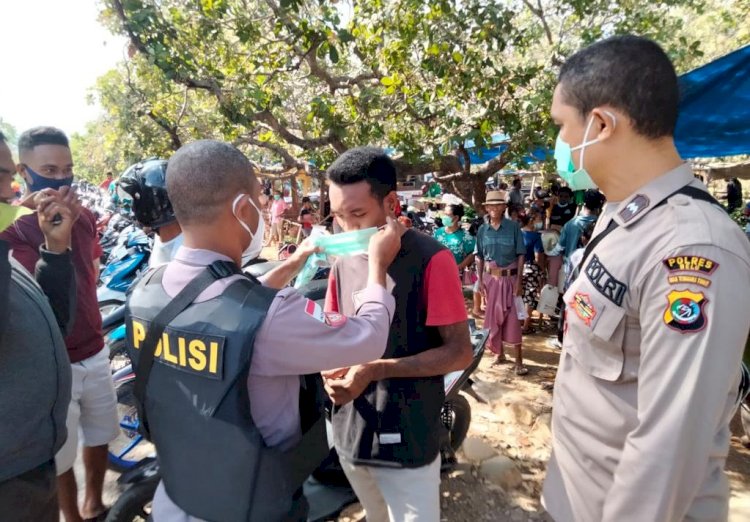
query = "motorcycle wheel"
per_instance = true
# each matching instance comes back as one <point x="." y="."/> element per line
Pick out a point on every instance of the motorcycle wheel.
<point x="129" y="448"/>
<point x="456" y="417"/>
<point x="118" y="356"/>
<point x="107" y="307"/>
<point x="134" y="505"/>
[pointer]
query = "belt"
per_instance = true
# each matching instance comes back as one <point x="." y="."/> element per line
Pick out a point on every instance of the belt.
<point x="499" y="272"/>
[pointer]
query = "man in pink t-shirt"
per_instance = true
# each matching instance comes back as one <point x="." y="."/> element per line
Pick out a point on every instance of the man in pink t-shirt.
<point x="278" y="207"/>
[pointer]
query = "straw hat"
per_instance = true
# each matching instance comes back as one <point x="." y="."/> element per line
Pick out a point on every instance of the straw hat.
<point x="496" y="197"/>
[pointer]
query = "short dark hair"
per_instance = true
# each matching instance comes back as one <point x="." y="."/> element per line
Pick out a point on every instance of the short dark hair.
<point x="517" y="182"/>
<point x="630" y="73"/>
<point x="305" y="200"/>
<point x="204" y="175"/>
<point x="565" y="190"/>
<point x="42" y="136"/>
<point x="369" y="164"/>
<point x="457" y="211"/>
<point x="2" y="137"/>
<point x="593" y="200"/>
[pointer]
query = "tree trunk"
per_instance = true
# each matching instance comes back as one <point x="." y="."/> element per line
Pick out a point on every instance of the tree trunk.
<point x="479" y="193"/>
<point x="294" y="193"/>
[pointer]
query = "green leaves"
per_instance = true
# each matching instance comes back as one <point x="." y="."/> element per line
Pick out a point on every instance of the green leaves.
<point x="414" y="75"/>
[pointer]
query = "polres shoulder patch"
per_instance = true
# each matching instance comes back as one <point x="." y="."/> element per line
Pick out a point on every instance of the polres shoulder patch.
<point x="636" y="205"/>
<point x="697" y="264"/>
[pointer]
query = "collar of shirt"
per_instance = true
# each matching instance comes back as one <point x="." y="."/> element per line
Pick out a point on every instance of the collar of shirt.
<point x="198" y="256"/>
<point x="633" y="208"/>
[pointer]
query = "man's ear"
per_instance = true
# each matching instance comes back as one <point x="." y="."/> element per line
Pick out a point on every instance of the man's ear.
<point x="21" y="169"/>
<point x="605" y="122"/>
<point x="391" y="202"/>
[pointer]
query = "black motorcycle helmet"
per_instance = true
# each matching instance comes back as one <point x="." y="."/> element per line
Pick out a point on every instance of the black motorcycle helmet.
<point x="146" y="183"/>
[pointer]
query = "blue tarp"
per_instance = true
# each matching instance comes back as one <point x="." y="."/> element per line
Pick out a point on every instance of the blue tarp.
<point x="714" y="116"/>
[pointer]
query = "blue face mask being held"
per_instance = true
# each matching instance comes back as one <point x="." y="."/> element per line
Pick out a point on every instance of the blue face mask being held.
<point x="577" y="179"/>
<point x="39" y="182"/>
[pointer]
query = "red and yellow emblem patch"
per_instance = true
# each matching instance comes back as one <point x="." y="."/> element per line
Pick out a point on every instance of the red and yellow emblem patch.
<point x="583" y="307"/>
<point x="685" y="311"/>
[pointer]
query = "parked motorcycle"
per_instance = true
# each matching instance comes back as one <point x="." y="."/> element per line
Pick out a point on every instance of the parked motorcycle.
<point x="127" y="261"/>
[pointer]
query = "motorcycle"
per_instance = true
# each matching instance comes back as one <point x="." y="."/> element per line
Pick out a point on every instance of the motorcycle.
<point x="327" y="490"/>
<point x="127" y="261"/>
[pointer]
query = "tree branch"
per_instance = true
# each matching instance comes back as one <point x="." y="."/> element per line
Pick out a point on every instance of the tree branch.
<point x="538" y="11"/>
<point x="445" y="164"/>
<point x="169" y="129"/>
<point x="288" y="161"/>
<point x="311" y="57"/>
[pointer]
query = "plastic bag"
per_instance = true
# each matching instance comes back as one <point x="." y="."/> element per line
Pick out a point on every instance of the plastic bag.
<point x="351" y="243"/>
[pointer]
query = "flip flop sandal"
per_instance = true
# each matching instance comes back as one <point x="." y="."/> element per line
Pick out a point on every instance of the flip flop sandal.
<point x="500" y="360"/>
<point x="521" y="370"/>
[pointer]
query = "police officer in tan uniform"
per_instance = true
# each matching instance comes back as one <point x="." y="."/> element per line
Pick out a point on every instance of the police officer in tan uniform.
<point x="656" y="319"/>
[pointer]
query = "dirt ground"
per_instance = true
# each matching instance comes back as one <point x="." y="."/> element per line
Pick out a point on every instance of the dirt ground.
<point x="468" y="497"/>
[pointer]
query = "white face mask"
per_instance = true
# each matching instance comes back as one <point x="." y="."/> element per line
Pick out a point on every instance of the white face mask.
<point x="256" y="239"/>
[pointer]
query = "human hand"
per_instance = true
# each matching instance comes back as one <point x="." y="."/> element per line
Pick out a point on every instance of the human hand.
<point x="338" y="373"/>
<point x="57" y="211"/>
<point x="386" y="243"/>
<point x="347" y="387"/>
<point x="303" y="252"/>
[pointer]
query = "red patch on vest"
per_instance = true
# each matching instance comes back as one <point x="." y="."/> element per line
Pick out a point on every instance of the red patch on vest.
<point x="335" y="319"/>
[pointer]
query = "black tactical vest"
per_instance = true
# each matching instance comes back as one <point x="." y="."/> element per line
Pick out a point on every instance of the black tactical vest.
<point x="213" y="460"/>
<point x="395" y="422"/>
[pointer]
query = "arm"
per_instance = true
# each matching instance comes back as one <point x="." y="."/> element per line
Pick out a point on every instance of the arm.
<point x="56" y="276"/>
<point x="468" y="260"/>
<point x="4" y="284"/>
<point x="454" y="354"/>
<point x="469" y="246"/>
<point x="446" y="311"/>
<point x="479" y="256"/>
<point x="521" y="253"/>
<point x="687" y="385"/>
<point x="280" y="276"/>
<point x="560" y="246"/>
<point x="54" y="270"/>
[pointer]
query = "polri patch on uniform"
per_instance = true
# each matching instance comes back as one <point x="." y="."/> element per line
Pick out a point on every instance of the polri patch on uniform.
<point x="609" y="286"/>
<point x="637" y="205"/>
<point x="685" y="311"/>
<point x="315" y="311"/>
<point x="700" y="264"/>
<point x="335" y="319"/>
<point x="583" y="307"/>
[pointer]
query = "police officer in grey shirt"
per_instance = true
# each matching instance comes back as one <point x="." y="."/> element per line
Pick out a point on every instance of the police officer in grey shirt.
<point x="657" y="317"/>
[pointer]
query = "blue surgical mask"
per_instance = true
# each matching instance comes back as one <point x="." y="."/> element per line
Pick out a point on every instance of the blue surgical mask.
<point x="39" y="182"/>
<point x="447" y="221"/>
<point x="538" y="225"/>
<point x="576" y="179"/>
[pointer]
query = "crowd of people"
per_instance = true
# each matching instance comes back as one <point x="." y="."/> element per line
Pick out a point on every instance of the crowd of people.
<point x="231" y="369"/>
